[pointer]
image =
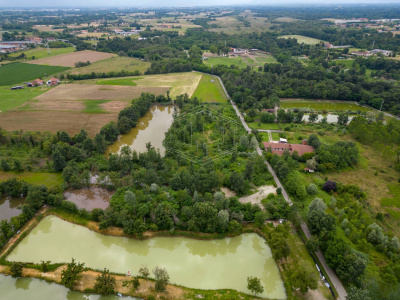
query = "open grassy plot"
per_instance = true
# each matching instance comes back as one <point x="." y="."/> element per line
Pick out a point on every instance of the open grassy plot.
<point x="39" y="53"/>
<point x="266" y="126"/>
<point x="19" y="72"/>
<point x="116" y="63"/>
<point x="226" y="61"/>
<point x="119" y="81"/>
<point x="302" y="39"/>
<point x="46" y="28"/>
<point x="232" y="25"/>
<point x="209" y="89"/>
<point x="322" y="105"/>
<point x="10" y="99"/>
<point x="179" y="83"/>
<point x="48" y="179"/>
<point x="94" y="106"/>
<point x="261" y="60"/>
<point x="69" y="59"/>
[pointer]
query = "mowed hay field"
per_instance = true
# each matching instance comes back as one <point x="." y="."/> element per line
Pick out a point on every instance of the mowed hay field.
<point x="19" y="72"/>
<point x="53" y="121"/>
<point x="302" y="39"/>
<point x="39" y="53"/>
<point x="178" y="83"/>
<point x="116" y="63"/>
<point x="69" y="59"/>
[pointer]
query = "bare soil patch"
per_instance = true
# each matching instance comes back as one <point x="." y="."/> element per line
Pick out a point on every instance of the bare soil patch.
<point x="69" y="59"/>
<point x="53" y="121"/>
<point x="98" y="92"/>
<point x="262" y="193"/>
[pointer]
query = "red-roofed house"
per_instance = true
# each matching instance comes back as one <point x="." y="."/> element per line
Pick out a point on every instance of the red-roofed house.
<point x="52" y="81"/>
<point x="279" y="148"/>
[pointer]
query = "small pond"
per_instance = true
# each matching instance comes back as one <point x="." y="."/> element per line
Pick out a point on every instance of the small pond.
<point x="330" y="118"/>
<point x="150" y="128"/>
<point x="89" y="198"/>
<point x="215" y="264"/>
<point x="32" y="288"/>
<point x="9" y="207"/>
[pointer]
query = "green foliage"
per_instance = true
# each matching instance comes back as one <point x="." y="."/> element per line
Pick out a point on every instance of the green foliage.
<point x="254" y="285"/>
<point x="16" y="269"/>
<point x="45" y="265"/>
<point x="135" y="283"/>
<point x="105" y="283"/>
<point x="71" y="274"/>
<point x="161" y="278"/>
<point x="304" y="280"/>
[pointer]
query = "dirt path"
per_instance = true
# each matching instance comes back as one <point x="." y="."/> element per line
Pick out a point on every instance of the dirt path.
<point x="262" y="193"/>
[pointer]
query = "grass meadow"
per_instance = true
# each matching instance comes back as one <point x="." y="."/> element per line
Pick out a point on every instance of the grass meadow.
<point x="19" y="72"/>
<point x="210" y="91"/>
<point x="302" y="39"/>
<point x="42" y="52"/>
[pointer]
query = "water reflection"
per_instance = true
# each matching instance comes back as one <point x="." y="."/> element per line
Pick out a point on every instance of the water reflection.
<point x="216" y="264"/>
<point x="150" y="128"/>
<point x="330" y="118"/>
<point x="9" y="207"/>
<point x="32" y="288"/>
<point x="89" y="198"/>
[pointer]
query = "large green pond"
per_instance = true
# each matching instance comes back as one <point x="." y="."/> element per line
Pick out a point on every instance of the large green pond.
<point x="32" y="288"/>
<point x="215" y="264"/>
<point x="151" y="128"/>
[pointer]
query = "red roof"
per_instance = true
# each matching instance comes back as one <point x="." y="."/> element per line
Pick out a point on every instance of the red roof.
<point x="53" y="79"/>
<point x="279" y="148"/>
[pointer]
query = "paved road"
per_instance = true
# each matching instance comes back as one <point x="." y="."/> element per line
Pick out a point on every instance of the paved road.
<point x="332" y="276"/>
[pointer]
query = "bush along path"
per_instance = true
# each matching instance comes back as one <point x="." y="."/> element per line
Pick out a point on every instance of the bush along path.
<point x="342" y="294"/>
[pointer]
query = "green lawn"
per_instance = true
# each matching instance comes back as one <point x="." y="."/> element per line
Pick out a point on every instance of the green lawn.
<point x="120" y="81"/>
<point x="42" y="52"/>
<point x="226" y="61"/>
<point x="302" y="39"/>
<point x="210" y="91"/>
<point x="267" y="126"/>
<point x="395" y="201"/>
<point x="48" y="179"/>
<point x="19" y="72"/>
<point x="265" y="60"/>
<point x="93" y="106"/>
<point x="323" y="105"/>
<point x="10" y="99"/>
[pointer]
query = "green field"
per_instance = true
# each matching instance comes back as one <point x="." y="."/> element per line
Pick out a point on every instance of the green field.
<point x="42" y="52"/>
<point x="226" y="61"/>
<point x="10" y="99"/>
<point x="302" y="39"/>
<point x="210" y="91"/>
<point x="93" y="106"/>
<point x="266" y="126"/>
<point x="120" y="81"/>
<point x="116" y="64"/>
<point x="19" y="72"/>
<point x="323" y="105"/>
<point x="265" y="60"/>
<point x="48" y="179"/>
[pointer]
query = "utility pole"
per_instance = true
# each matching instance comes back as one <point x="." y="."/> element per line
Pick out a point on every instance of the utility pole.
<point x="382" y="104"/>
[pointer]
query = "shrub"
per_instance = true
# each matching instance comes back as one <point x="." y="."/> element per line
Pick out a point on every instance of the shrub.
<point x="312" y="189"/>
<point x="329" y="186"/>
<point x="16" y="269"/>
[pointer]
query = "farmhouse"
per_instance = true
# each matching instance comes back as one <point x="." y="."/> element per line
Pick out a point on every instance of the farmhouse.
<point x="36" y="82"/>
<point x="279" y="148"/>
<point x="52" y="82"/>
<point x="383" y="52"/>
<point x="361" y="53"/>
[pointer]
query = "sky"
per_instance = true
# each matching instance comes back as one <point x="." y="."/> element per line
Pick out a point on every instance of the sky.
<point x="171" y="3"/>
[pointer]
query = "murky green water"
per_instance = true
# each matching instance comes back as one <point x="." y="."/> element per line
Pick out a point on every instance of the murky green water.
<point x="32" y="288"/>
<point x="9" y="207"/>
<point x="150" y="128"/>
<point x="89" y="198"/>
<point x="215" y="264"/>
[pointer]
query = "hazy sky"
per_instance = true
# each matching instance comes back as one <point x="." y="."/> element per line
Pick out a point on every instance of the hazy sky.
<point x="165" y="3"/>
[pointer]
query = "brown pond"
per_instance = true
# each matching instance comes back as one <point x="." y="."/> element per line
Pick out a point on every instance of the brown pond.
<point x="89" y="198"/>
<point x="151" y="128"/>
<point x="9" y="207"/>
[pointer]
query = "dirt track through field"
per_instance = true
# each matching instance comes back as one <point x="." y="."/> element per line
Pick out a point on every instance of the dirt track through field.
<point x="69" y="59"/>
